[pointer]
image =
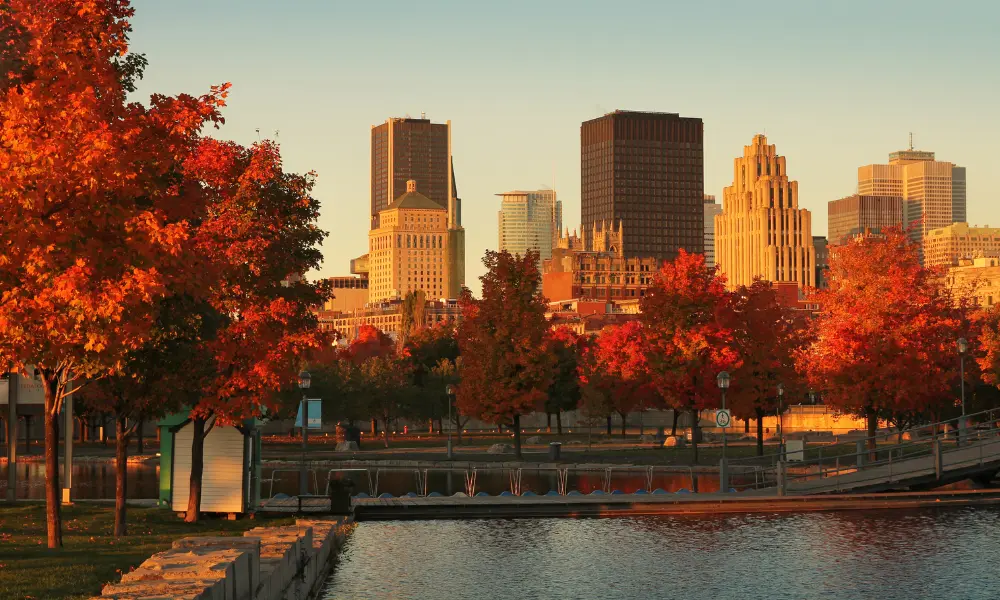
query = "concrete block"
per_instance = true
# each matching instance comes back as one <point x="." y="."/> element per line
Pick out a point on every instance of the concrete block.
<point x="166" y="590"/>
<point x="202" y="563"/>
<point x="246" y="581"/>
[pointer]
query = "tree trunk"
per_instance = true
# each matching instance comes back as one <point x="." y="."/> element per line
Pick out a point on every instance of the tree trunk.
<point x="760" y="431"/>
<point x="673" y="426"/>
<point x="121" y="475"/>
<point x="138" y="437"/>
<point x="872" y="418"/>
<point x="517" y="436"/>
<point x="746" y="427"/>
<point x="53" y="518"/>
<point x="385" y="430"/>
<point x="695" y="433"/>
<point x="548" y="422"/>
<point x="430" y="426"/>
<point x="458" y="428"/>
<point x="624" y="423"/>
<point x="609" y="425"/>
<point x="197" y="466"/>
<point x="559" y="422"/>
<point x="374" y="427"/>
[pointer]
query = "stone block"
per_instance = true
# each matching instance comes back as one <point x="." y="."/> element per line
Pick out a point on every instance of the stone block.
<point x="535" y="439"/>
<point x="205" y="564"/>
<point x="500" y="449"/>
<point x="246" y="580"/>
<point x="674" y="441"/>
<point x="160" y="589"/>
<point x="347" y="447"/>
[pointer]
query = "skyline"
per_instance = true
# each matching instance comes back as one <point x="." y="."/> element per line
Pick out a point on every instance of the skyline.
<point x="837" y="95"/>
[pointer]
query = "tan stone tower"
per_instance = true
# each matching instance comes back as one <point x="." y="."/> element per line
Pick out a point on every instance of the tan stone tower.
<point x="761" y="231"/>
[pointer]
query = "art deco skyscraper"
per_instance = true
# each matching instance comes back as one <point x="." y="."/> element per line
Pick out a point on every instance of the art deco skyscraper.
<point x="644" y="171"/>
<point x="762" y="232"/>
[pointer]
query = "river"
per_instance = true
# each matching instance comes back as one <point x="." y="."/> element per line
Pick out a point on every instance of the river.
<point x="886" y="555"/>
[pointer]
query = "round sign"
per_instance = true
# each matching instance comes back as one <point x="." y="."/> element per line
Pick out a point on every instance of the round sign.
<point x="722" y="418"/>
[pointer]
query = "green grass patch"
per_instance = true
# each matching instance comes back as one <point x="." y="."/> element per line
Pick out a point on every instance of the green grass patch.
<point x="91" y="556"/>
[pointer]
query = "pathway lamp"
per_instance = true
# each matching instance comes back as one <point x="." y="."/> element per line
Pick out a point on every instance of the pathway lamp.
<point x="963" y="347"/>
<point x="449" y="390"/>
<point x="723" y="382"/>
<point x="781" y="415"/>
<point x="304" y="379"/>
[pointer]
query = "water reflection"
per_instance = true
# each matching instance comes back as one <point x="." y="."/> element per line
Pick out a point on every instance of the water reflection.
<point x="878" y="554"/>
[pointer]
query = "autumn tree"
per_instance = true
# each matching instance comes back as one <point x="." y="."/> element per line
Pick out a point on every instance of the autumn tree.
<point x="688" y="342"/>
<point x="564" y="390"/>
<point x="884" y="340"/>
<point x="506" y="370"/>
<point x="766" y="336"/>
<point x="618" y="368"/>
<point x="432" y="353"/>
<point x="96" y="216"/>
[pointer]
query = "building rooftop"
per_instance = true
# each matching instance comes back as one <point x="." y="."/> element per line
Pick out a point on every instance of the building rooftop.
<point x="414" y="199"/>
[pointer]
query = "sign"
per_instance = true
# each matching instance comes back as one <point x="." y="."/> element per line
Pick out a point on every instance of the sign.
<point x="723" y="418"/>
<point x="315" y="408"/>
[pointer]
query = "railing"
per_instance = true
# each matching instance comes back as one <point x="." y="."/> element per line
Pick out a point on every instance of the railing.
<point x="270" y="480"/>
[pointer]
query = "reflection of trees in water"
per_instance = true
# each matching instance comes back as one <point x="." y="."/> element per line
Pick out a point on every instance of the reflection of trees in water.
<point x="91" y="480"/>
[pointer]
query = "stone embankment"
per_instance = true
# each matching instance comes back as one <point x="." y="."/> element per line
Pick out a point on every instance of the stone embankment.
<point x="267" y="563"/>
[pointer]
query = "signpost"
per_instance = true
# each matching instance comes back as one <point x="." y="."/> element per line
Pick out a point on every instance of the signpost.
<point x="314" y="406"/>
<point x="723" y="418"/>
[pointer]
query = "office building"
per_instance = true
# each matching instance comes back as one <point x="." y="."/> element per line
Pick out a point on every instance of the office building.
<point x="405" y="149"/>
<point x="858" y="214"/>
<point x="711" y="209"/>
<point x="387" y="317"/>
<point x="946" y="246"/>
<point x="761" y="231"/>
<point x="417" y="247"/>
<point x="349" y="293"/>
<point x="644" y="170"/>
<point x="529" y="221"/>
<point x="933" y="191"/>
<point x="977" y="279"/>
<point x="822" y="260"/>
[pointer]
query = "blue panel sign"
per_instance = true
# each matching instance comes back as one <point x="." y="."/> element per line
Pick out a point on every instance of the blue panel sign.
<point x="315" y="408"/>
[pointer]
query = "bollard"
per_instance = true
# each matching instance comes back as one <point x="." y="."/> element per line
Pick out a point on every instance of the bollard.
<point x="723" y="475"/>
<point x="780" y="476"/>
<point x="555" y="451"/>
<point x="861" y="453"/>
<point x="938" y="465"/>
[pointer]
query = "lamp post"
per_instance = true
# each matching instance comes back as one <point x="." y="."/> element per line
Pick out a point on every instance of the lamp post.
<point x="781" y="415"/>
<point x="304" y="380"/>
<point x="723" y="381"/>
<point x="963" y="347"/>
<point x="450" y="391"/>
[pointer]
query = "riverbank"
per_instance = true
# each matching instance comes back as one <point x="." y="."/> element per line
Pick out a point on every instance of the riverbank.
<point x="91" y="556"/>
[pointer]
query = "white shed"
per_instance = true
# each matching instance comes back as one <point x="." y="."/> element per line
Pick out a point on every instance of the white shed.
<point x="229" y="475"/>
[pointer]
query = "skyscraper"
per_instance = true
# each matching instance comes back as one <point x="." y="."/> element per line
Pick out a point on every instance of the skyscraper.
<point x="711" y="209"/>
<point x="762" y="232"/>
<point x="405" y="149"/>
<point x="529" y="221"/>
<point x="857" y="214"/>
<point x="644" y="170"/>
<point x="933" y="192"/>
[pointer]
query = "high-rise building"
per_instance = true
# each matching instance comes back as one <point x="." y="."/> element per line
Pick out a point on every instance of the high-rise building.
<point x="530" y="221"/>
<point x="711" y="209"/>
<point x="762" y="232"/>
<point x="405" y="149"/>
<point x="822" y="260"/>
<point x="946" y="246"/>
<point x="644" y="170"/>
<point x="933" y="192"/>
<point x="417" y="247"/>
<point x="859" y="214"/>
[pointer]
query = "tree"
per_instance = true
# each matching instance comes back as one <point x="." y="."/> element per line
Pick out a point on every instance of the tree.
<point x="412" y="317"/>
<point x="564" y="391"/>
<point x="766" y="337"/>
<point x="259" y="237"/>
<point x="884" y="340"/>
<point x="505" y="367"/>
<point x="619" y="368"/>
<point x="96" y="217"/>
<point x="688" y="344"/>
<point x="432" y="352"/>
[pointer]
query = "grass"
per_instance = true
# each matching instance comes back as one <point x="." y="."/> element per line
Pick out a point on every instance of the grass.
<point x="91" y="556"/>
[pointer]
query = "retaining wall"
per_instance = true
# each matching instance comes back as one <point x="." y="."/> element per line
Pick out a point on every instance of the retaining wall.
<point x="267" y="563"/>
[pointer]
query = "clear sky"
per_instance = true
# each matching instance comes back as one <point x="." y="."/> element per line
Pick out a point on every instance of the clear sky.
<point x="834" y="85"/>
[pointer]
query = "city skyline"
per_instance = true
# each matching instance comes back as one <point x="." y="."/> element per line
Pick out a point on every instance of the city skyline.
<point x="295" y="71"/>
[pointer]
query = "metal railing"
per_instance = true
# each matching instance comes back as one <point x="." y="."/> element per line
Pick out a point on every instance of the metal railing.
<point x="270" y="480"/>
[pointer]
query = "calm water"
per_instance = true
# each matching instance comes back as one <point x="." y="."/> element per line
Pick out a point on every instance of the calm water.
<point x="902" y="555"/>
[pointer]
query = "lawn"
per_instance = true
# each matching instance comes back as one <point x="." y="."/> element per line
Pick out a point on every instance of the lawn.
<point x="91" y="556"/>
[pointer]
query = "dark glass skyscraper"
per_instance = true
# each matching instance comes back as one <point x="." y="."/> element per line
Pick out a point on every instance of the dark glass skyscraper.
<point x="409" y="149"/>
<point x="646" y="172"/>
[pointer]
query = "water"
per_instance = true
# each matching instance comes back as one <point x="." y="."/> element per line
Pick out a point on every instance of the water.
<point x="886" y="555"/>
<point x="91" y="480"/>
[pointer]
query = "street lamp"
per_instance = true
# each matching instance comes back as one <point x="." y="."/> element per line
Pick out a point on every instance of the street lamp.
<point x="781" y="430"/>
<point x="450" y="391"/>
<point x="723" y="381"/>
<point x="963" y="347"/>
<point x="304" y="379"/>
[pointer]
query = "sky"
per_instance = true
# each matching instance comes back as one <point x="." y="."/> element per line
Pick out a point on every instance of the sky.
<point x="834" y="85"/>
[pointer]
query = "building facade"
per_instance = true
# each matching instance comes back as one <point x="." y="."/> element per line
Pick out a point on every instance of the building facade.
<point x="644" y="170"/>
<point x="822" y="260"/>
<point x="711" y="209"/>
<point x="349" y="293"/>
<point x="529" y="221"/>
<point x="977" y="279"/>
<point x="405" y="149"/>
<point x="603" y="271"/>
<point x="415" y="248"/>
<point x="933" y="191"/>
<point x="858" y="214"/>
<point x="385" y="316"/>
<point x="761" y="231"/>
<point x="946" y="246"/>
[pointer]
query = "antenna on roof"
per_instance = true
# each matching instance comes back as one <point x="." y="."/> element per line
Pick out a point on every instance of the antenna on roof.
<point x="423" y="115"/>
<point x="258" y="134"/>
<point x="911" y="140"/>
